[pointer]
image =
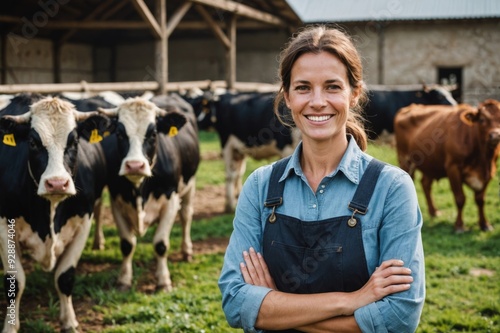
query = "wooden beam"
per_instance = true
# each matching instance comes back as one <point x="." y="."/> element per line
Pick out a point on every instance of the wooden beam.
<point x="231" y="54"/>
<point x="161" y="47"/>
<point x="147" y="16"/>
<point x="243" y="10"/>
<point x="56" y="62"/>
<point x="177" y="17"/>
<point x="99" y="9"/>
<point x="3" y="58"/>
<point x="213" y="25"/>
<point x="96" y="25"/>
<point x="47" y="88"/>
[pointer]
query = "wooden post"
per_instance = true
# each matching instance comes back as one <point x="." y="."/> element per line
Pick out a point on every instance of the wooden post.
<point x="380" y="52"/>
<point x="231" y="54"/>
<point x="3" y="58"/>
<point x="56" y="61"/>
<point x="161" y="47"/>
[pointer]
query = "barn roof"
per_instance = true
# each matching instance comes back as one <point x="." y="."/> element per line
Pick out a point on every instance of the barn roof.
<point x="315" y="11"/>
<point x="111" y="21"/>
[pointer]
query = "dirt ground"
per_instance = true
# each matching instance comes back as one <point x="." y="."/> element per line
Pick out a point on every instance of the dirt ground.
<point x="209" y="202"/>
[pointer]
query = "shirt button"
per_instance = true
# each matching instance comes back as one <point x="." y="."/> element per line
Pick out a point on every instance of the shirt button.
<point x="323" y="186"/>
<point x="321" y="191"/>
<point x="314" y="206"/>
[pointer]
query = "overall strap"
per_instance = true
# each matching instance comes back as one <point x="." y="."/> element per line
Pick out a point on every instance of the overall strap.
<point x="363" y="194"/>
<point x="275" y="190"/>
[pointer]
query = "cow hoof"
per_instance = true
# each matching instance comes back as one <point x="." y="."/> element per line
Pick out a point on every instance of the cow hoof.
<point x="187" y="257"/>
<point x="164" y="289"/>
<point x="124" y="287"/>
<point x="98" y="247"/>
<point x="487" y="227"/>
<point x="229" y="209"/>
<point x="436" y="213"/>
<point x="70" y="330"/>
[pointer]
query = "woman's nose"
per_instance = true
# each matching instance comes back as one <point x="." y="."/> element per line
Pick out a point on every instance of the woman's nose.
<point x="318" y="100"/>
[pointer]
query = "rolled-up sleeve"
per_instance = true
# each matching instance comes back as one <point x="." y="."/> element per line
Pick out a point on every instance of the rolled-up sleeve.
<point x="399" y="237"/>
<point x="240" y="301"/>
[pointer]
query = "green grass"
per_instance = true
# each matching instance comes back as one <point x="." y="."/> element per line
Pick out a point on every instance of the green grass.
<point x="462" y="272"/>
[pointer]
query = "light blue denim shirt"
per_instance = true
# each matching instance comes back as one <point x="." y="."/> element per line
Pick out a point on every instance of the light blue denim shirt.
<point x="391" y="230"/>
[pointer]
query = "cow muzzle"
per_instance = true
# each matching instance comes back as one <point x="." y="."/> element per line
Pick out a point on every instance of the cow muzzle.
<point x="57" y="188"/>
<point x="135" y="171"/>
<point x="494" y="138"/>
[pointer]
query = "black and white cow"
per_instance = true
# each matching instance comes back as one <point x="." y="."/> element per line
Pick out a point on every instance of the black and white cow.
<point x="247" y="126"/>
<point x="152" y="158"/>
<point x="385" y="102"/>
<point x="50" y="177"/>
<point x="91" y="104"/>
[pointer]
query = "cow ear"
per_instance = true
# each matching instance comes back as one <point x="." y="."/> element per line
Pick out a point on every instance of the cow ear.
<point x="469" y="117"/>
<point x="11" y="132"/>
<point x="94" y="128"/>
<point x="171" y="123"/>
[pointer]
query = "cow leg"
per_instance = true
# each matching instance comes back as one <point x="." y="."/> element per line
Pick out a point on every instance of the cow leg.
<point x="235" y="168"/>
<point x="161" y="243"/>
<point x="14" y="278"/>
<point x="128" y="242"/>
<point x="98" y="234"/>
<point x="186" y="216"/>
<point x="458" y="191"/>
<point x="64" y="276"/>
<point x="483" y="223"/>
<point x="427" y="187"/>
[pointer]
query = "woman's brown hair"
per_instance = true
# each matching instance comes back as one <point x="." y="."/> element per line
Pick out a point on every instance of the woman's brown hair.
<point x="322" y="38"/>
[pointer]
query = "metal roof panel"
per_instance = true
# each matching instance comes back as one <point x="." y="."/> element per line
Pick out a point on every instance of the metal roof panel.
<point x="311" y="11"/>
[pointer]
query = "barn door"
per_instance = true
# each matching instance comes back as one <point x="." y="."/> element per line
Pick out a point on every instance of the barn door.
<point x="452" y="75"/>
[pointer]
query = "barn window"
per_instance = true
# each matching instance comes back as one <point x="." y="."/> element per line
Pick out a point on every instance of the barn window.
<point x="452" y="75"/>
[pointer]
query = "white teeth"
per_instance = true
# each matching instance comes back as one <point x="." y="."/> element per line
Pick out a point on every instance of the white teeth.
<point x="319" y="118"/>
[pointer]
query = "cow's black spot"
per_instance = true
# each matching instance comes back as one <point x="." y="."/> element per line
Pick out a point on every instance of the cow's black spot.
<point x="66" y="281"/>
<point x="160" y="248"/>
<point x="126" y="247"/>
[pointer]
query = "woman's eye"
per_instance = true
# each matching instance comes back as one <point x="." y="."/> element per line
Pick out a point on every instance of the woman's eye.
<point x="302" y="88"/>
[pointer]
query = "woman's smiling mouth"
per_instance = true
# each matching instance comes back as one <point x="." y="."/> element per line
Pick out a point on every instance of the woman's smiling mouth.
<point x="319" y="118"/>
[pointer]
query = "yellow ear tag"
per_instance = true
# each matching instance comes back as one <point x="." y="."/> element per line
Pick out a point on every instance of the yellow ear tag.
<point x="173" y="131"/>
<point x="95" y="137"/>
<point x="8" y="139"/>
<point x="106" y="133"/>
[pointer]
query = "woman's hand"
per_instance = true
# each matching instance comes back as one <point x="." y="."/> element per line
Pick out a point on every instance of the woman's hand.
<point x="389" y="278"/>
<point x="255" y="271"/>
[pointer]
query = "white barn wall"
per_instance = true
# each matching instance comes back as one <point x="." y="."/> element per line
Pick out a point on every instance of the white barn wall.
<point x="31" y="61"/>
<point x="76" y="63"/>
<point x="413" y="52"/>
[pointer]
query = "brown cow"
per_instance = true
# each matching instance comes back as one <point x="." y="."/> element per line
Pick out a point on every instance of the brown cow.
<point x="459" y="142"/>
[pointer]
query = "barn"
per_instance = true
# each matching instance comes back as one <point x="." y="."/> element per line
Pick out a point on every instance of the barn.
<point x="148" y="42"/>
<point x="406" y="42"/>
<point x="158" y="43"/>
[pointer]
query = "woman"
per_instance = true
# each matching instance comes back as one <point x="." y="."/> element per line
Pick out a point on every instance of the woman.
<point x="339" y="236"/>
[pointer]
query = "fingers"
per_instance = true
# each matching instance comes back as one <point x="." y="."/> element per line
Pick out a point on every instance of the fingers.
<point x="392" y="276"/>
<point x="267" y="276"/>
<point x="255" y="270"/>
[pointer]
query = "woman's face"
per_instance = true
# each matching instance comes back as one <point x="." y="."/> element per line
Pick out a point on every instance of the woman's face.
<point x="320" y="96"/>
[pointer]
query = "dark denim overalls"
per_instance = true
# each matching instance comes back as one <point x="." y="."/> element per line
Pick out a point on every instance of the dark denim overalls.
<point x="320" y="256"/>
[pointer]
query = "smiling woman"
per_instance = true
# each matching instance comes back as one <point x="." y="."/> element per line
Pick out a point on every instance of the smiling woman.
<point x="329" y="238"/>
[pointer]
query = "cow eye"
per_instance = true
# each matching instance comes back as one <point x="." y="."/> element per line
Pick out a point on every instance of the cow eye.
<point x="33" y="143"/>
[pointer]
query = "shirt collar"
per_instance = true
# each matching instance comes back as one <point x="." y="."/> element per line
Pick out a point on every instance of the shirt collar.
<point x="349" y="165"/>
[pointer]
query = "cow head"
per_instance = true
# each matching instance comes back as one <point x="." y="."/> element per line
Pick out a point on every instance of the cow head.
<point x="138" y="123"/>
<point x="438" y="95"/>
<point x="487" y="118"/>
<point x="51" y="130"/>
